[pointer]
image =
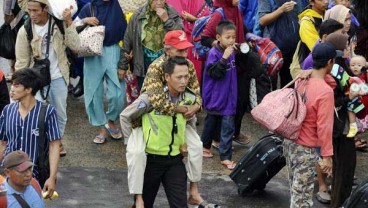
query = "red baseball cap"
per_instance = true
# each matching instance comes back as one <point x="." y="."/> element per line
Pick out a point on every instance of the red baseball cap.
<point x="177" y="39"/>
<point x="18" y="160"/>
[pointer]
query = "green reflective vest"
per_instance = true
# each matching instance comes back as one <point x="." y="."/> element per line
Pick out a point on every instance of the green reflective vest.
<point x="164" y="134"/>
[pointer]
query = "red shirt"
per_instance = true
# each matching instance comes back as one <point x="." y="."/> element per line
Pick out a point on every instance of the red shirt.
<point x="317" y="126"/>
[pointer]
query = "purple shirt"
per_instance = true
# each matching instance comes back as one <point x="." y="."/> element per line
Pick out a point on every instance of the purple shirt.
<point x="220" y="95"/>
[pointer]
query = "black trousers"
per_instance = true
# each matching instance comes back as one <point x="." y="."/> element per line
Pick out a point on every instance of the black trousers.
<point x="344" y="162"/>
<point x="285" y="76"/>
<point x="170" y="171"/>
<point x="242" y="104"/>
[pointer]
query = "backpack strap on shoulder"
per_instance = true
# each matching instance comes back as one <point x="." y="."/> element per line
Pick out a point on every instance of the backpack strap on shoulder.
<point x="36" y="186"/>
<point x="59" y="24"/>
<point x="308" y="19"/>
<point x="28" y="28"/>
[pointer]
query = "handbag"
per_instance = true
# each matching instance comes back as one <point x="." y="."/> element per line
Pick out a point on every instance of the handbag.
<point x="42" y="66"/>
<point x="91" y="39"/>
<point x="282" y="111"/>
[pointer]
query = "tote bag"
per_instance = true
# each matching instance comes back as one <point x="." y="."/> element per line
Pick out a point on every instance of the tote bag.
<point x="282" y="111"/>
<point x="91" y="39"/>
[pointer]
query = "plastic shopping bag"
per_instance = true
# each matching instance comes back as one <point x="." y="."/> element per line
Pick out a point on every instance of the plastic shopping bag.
<point x="57" y="7"/>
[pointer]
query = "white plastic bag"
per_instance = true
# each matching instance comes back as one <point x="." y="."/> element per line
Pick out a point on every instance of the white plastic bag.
<point x="193" y="163"/>
<point x="136" y="160"/>
<point x="57" y="7"/>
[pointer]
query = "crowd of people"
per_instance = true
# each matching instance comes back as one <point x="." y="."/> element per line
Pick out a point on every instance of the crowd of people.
<point x="324" y="42"/>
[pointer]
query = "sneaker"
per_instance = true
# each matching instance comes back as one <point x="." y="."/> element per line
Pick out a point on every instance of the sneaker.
<point x="353" y="130"/>
<point x="323" y="197"/>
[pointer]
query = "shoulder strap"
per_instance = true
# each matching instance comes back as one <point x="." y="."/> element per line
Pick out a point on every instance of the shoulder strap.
<point x="59" y="24"/>
<point x="41" y="129"/>
<point x="29" y="30"/>
<point x="48" y="40"/>
<point x="36" y="186"/>
<point x="21" y="201"/>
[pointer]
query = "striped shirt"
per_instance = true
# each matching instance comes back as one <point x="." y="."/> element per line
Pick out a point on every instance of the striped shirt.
<point x="23" y="134"/>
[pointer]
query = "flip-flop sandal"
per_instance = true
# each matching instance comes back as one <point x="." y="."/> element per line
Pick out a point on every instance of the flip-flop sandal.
<point x="228" y="164"/>
<point x="215" y="145"/>
<point x="62" y="151"/>
<point x="114" y="133"/>
<point x="205" y="204"/>
<point x="207" y="154"/>
<point x="99" y="139"/>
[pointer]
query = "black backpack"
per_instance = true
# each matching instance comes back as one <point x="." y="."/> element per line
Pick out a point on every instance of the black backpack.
<point x="28" y="27"/>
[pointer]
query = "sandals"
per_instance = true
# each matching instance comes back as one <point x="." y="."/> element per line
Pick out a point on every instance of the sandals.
<point x="99" y="139"/>
<point x="323" y="197"/>
<point x="215" y="145"/>
<point x="114" y="133"/>
<point x="353" y="130"/>
<point x="205" y="204"/>
<point x="360" y="145"/>
<point x="241" y="139"/>
<point x="207" y="153"/>
<point x="228" y="164"/>
<point x="62" y="151"/>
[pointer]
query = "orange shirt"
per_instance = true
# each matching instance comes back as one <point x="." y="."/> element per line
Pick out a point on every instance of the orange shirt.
<point x="317" y="126"/>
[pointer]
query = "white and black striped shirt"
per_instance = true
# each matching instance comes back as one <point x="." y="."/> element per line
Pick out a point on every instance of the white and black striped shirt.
<point x="24" y="134"/>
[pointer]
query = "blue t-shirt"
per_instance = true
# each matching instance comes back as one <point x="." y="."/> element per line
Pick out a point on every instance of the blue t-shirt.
<point x="30" y="195"/>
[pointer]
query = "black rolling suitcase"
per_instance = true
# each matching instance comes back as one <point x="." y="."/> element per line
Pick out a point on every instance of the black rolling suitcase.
<point x="358" y="198"/>
<point x="259" y="164"/>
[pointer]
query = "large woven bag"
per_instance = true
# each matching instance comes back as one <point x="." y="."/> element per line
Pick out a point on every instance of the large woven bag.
<point x="91" y="41"/>
<point x="282" y="111"/>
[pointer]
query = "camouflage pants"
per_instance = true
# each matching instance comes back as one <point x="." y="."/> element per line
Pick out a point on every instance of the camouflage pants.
<point x="301" y="162"/>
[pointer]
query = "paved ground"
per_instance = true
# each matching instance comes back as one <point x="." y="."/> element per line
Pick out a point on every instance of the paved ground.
<point x="95" y="175"/>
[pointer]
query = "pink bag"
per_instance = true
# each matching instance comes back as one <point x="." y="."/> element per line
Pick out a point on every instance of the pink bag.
<point x="282" y="111"/>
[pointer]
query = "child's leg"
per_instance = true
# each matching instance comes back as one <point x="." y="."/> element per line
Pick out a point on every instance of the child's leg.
<point x="227" y="132"/>
<point x="132" y="113"/>
<point x="136" y="160"/>
<point x="353" y="127"/>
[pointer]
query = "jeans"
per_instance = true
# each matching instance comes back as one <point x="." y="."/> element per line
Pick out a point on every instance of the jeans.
<point x="227" y="132"/>
<point x="57" y="98"/>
